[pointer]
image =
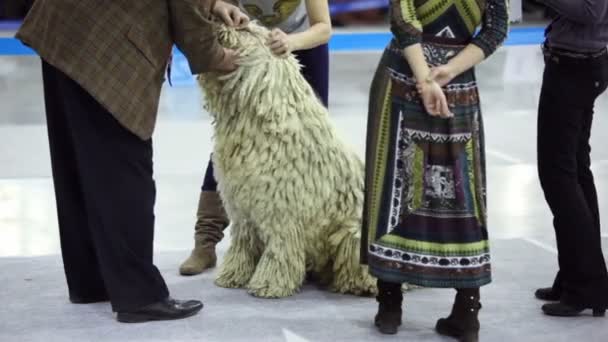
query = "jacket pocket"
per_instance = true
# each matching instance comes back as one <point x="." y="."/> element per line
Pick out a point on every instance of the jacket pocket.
<point x="155" y="49"/>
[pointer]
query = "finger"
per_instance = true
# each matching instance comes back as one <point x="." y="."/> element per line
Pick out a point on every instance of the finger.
<point x="226" y="18"/>
<point x="280" y="51"/>
<point x="428" y="105"/>
<point x="445" y="110"/>
<point x="277" y="44"/>
<point x="235" y="15"/>
<point x="244" y="20"/>
<point x="446" y="107"/>
<point x="437" y="106"/>
<point x="238" y="21"/>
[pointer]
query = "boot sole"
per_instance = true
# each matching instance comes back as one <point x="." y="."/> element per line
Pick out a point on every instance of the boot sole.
<point x="188" y="272"/>
<point x="388" y="330"/>
<point x="466" y="337"/>
<point x="596" y="313"/>
<point x="141" y="318"/>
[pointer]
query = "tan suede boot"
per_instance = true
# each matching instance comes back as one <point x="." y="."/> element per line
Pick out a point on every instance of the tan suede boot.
<point x="209" y="230"/>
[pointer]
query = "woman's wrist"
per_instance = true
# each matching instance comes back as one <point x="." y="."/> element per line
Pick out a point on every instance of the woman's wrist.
<point x="425" y="82"/>
<point x="293" y="42"/>
<point x="452" y="69"/>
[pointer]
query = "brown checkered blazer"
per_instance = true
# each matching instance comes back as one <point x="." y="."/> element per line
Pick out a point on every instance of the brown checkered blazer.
<point x="117" y="50"/>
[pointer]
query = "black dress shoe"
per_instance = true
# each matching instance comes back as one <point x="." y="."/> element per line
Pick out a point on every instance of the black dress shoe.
<point x="548" y="294"/>
<point x="564" y="310"/>
<point x="168" y="309"/>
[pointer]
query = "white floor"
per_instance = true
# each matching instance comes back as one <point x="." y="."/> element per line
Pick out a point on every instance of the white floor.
<point x="33" y="294"/>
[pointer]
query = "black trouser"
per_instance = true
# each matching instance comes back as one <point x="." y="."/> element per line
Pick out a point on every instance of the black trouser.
<point x="105" y="197"/>
<point x="570" y="87"/>
<point x="15" y="9"/>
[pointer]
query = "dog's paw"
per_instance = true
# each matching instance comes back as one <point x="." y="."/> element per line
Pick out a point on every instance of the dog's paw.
<point x="363" y="285"/>
<point x="269" y="291"/>
<point x="231" y="280"/>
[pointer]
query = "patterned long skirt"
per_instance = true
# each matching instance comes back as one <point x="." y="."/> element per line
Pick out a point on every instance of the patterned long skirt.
<point x="424" y="218"/>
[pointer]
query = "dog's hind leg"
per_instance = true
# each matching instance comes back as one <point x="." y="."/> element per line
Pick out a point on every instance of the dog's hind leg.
<point x="240" y="261"/>
<point x="282" y="267"/>
<point x="349" y="275"/>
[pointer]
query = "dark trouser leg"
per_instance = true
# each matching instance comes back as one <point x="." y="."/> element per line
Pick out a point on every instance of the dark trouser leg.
<point x="315" y="68"/>
<point x="115" y="171"/>
<point x="585" y="175"/>
<point x="565" y="111"/>
<point x="81" y="266"/>
<point x="209" y="182"/>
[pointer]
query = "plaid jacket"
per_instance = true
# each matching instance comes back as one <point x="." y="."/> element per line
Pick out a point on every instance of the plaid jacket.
<point x="118" y="50"/>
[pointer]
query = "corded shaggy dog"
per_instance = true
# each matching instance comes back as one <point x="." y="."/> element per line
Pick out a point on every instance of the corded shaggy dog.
<point x="292" y="189"/>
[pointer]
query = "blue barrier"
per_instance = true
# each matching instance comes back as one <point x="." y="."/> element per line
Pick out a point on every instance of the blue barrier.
<point x="9" y="25"/>
<point x="340" y="42"/>
<point x="358" y="5"/>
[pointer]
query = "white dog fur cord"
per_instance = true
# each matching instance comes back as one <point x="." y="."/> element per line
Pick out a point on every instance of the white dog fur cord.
<point x="292" y="189"/>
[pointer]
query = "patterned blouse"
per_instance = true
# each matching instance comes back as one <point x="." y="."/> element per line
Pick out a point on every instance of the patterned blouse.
<point x="458" y="19"/>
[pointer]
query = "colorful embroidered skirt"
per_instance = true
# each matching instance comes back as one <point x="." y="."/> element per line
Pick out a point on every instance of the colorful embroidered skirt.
<point x="424" y="219"/>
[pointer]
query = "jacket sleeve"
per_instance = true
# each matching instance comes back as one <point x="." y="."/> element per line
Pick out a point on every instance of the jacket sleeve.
<point x="494" y="27"/>
<point x="193" y="33"/>
<point x="405" y="26"/>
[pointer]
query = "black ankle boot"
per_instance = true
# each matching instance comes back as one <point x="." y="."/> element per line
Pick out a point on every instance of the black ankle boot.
<point x="463" y="322"/>
<point x="565" y="310"/>
<point x="548" y="294"/>
<point x="389" y="314"/>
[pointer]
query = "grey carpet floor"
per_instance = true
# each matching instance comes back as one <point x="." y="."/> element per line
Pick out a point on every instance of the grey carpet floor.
<point x="34" y="307"/>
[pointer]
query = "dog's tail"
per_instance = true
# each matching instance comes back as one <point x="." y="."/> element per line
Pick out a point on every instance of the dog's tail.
<point x="349" y="276"/>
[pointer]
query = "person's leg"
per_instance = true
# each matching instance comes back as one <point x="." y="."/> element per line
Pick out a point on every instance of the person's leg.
<point x="463" y="322"/>
<point x="390" y="299"/>
<point x="84" y="280"/>
<point x="566" y="96"/>
<point x="315" y="69"/>
<point x="209" y="182"/>
<point x="597" y="291"/>
<point x="211" y="220"/>
<point x="115" y="171"/>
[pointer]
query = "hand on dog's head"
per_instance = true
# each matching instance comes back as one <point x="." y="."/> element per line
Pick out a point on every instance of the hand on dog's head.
<point x="247" y="40"/>
<point x="264" y="86"/>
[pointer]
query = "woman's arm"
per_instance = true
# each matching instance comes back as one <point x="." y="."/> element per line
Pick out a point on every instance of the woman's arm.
<point x="407" y="31"/>
<point x="495" y="25"/>
<point x="317" y="34"/>
<point x="319" y="31"/>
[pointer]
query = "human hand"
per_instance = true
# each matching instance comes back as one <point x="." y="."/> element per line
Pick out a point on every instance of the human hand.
<point x="434" y="99"/>
<point x="231" y="15"/>
<point x="280" y="42"/>
<point x="442" y="74"/>
<point x="228" y="63"/>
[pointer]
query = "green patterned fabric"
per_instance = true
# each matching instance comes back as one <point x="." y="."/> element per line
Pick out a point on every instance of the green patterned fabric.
<point x="424" y="218"/>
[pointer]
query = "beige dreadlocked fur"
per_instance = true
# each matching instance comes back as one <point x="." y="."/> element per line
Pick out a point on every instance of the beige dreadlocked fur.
<point x="292" y="189"/>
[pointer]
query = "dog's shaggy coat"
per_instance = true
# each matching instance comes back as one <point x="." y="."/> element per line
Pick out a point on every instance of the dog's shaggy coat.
<point x="292" y="189"/>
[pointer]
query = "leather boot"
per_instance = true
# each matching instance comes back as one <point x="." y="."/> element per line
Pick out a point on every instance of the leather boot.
<point x="463" y="322"/>
<point x="209" y="230"/>
<point x="390" y="298"/>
